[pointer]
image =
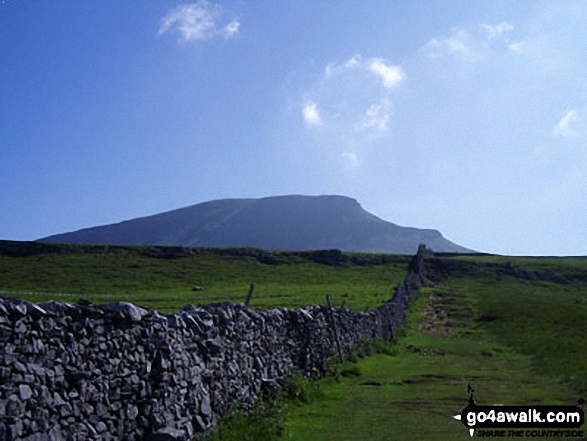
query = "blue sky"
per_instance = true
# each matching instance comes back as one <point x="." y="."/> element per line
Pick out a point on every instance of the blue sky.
<point x="469" y="117"/>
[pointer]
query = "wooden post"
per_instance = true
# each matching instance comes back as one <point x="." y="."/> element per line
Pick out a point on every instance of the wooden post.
<point x="335" y="329"/>
<point x="250" y="294"/>
<point x="391" y="331"/>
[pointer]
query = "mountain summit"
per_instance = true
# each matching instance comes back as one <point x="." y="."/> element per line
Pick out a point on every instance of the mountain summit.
<point x="272" y="223"/>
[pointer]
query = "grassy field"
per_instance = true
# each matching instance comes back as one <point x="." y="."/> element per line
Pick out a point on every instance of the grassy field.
<point x="127" y="274"/>
<point x="544" y="320"/>
<point x="515" y="341"/>
<point x="513" y="328"/>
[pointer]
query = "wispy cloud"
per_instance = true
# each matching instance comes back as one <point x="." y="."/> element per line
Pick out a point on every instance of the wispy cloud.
<point x="352" y="105"/>
<point x="518" y="46"/>
<point x="389" y="74"/>
<point x="352" y="100"/>
<point x="198" y="22"/>
<point x="471" y="44"/>
<point x="497" y="30"/>
<point x="565" y="126"/>
<point x="376" y="117"/>
<point x="311" y="114"/>
<point x="231" y="29"/>
<point x="333" y="68"/>
<point x="456" y="44"/>
<point x="351" y="158"/>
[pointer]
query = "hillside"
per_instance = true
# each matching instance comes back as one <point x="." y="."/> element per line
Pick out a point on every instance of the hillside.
<point x="273" y="223"/>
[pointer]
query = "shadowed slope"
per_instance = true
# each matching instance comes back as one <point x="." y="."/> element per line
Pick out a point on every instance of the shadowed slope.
<point x="278" y="223"/>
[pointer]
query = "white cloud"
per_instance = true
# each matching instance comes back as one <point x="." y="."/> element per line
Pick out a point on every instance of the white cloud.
<point x="471" y="44"/>
<point x="498" y="30"/>
<point x="351" y="158"/>
<point x="231" y="29"/>
<point x="517" y="47"/>
<point x="565" y="126"/>
<point x="332" y="69"/>
<point x="198" y="22"/>
<point x="390" y="75"/>
<point x="349" y="108"/>
<point x="376" y="117"/>
<point x="455" y="44"/>
<point x="311" y="114"/>
<point x="353" y="62"/>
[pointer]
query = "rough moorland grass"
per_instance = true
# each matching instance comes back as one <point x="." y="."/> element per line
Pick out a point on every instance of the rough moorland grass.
<point x="166" y="284"/>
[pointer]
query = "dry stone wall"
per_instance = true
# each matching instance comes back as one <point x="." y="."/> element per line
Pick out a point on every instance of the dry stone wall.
<point x="118" y="371"/>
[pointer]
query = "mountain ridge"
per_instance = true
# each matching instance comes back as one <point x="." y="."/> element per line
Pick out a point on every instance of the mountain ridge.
<point x="291" y="222"/>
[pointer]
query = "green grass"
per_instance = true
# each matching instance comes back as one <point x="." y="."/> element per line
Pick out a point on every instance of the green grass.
<point x="544" y="320"/>
<point x="125" y="274"/>
<point x="514" y="341"/>
<point x="532" y="263"/>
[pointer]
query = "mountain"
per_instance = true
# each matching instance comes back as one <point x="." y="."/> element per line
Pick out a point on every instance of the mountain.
<point x="272" y="223"/>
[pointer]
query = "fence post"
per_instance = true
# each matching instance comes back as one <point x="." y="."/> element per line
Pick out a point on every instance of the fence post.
<point x="391" y="330"/>
<point x="335" y="329"/>
<point x="250" y="294"/>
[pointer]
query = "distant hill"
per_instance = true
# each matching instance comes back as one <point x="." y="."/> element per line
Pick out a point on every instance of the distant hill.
<point x="272" y="223"/>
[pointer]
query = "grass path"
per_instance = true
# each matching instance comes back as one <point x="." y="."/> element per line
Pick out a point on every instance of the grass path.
<point x="414" y="394"/>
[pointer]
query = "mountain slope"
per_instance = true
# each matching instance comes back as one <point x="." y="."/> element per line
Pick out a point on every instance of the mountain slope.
<point x="276" y="223"/>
